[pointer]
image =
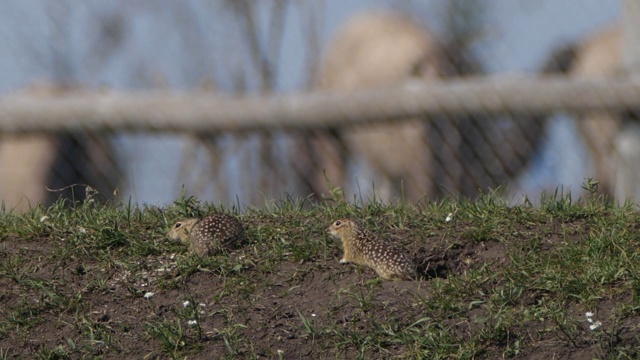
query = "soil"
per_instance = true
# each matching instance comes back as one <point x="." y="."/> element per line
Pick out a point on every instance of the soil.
<point x="266" y="317"/>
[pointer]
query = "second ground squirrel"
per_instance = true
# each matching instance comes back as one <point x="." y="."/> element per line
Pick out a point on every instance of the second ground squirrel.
<point x="363" y="247"/>
<point x="210" y="234"/>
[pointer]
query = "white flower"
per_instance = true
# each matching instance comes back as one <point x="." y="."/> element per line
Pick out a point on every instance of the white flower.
<point x="595" y="325"/>
<point x="192" y="323"/>
<point x="588" y="314"/>
<point x="313" y="315"/>
<point x="82" y="230"/>
<point x="148" y="295"/>
<point x="449" y="217"/>
<point x="186" y="303"/>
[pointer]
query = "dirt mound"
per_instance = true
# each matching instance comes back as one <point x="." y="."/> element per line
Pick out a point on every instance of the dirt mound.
<point x="484" y="292"/>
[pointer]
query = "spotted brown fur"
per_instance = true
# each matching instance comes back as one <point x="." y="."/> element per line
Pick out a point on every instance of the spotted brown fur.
<point x="363" y="247"/>
<point x="209" y="234"/>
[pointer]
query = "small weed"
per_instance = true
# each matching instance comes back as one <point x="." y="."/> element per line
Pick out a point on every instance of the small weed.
<point x="57" y="353"/>
<point x="309" y="328"/>
<point x="170" y="334"/>
<point x="232" y="338"/>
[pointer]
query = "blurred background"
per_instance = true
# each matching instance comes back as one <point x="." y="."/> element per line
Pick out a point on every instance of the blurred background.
<point x="53" y="48"/>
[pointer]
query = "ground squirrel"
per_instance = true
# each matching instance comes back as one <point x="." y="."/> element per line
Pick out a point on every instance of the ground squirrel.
<point x="363" y="247"/>
<point x="210" y="234"/>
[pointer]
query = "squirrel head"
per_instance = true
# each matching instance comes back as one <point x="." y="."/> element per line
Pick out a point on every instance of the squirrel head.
<point x="342" y="227"/>
<point x="181" y="230"/>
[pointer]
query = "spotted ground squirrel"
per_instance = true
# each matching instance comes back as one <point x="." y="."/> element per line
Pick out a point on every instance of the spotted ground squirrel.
<point x="210" y="234"/>
<point x="363" y="247"/>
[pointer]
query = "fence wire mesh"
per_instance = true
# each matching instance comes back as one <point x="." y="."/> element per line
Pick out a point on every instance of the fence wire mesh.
<point x="209" y="49"/>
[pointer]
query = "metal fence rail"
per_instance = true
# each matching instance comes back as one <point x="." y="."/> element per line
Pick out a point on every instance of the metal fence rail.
<point x="155" y="111"/>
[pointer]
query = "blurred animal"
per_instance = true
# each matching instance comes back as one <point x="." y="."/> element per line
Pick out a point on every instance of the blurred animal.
<point x="410" y="157"/>
<point x="376" y="49"/>
<point x="600" y="56"/>
<point x="32" y="163"/>
<point x="612" y="138"/>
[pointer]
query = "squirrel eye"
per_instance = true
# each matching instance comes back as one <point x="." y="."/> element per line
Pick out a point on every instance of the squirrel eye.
<point x="178" y="225"/>
<point x="338" y="223"/>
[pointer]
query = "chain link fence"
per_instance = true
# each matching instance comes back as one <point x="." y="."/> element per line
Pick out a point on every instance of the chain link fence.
<point x="239" y="102"/>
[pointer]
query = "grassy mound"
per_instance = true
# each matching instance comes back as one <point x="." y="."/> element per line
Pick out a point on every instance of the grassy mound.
<point x="558" y="280"/>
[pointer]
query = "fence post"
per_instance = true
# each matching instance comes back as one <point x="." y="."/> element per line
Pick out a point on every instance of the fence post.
<point x="631" y="36"/>
<point x="627" y="142"/>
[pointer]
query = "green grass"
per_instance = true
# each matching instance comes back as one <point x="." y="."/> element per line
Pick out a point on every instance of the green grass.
<point x="497" y="281"/>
